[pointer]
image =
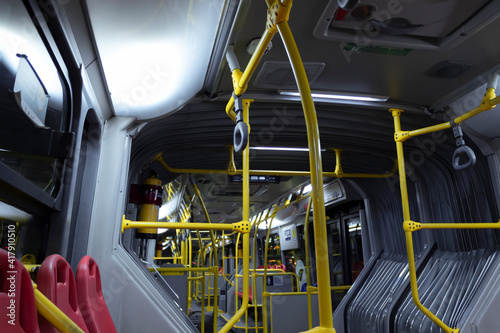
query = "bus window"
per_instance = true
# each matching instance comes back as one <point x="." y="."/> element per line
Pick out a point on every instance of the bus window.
<point x="32" y="138"/>
<point x="344" y="247"/>
<point x="274" y="250"/>
<point x="356" y="247"/>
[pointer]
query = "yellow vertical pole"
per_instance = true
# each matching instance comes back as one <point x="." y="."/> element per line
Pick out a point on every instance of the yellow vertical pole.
<point x="317" y="196"/>
<point x="210" y="259"/>
<point x="254" y="275"/>
<point x="264" y="279"/>
<point x="308" y="264"/>
<point x="396" y="114"/>
<point x="216" y="295"/>
<point x="236" y="269"/>
<point x="190" y="255"/>
<point x="200" y="253"/>
<point x="203" y="302"/>
<point x="246" y="236"/>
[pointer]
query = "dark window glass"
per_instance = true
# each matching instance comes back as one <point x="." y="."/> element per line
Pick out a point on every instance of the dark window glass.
<point x="31" y="101"/>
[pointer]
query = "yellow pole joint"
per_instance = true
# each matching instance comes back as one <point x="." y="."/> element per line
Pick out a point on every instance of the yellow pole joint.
<point x="410" y="226"/>
<point x="231" y="168"/>
<point x="396" y="112"/>
<point x="339" y="173"/>
<point x="276" y="14"/>
<point x="236" y="75"/>
<point x="401" y="136"/>
<point x="213" y="269"/>
<point x="158" y="157"/>
<point x="312" y="290"/>
<point x="242" y="227"/>
<point x="266" y="294"/>
<point x="486" y="101"/>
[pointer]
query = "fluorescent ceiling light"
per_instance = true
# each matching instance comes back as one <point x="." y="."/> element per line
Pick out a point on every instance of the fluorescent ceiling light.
<point x="265" y="225"/>
<point x="282" y="148"/>
<point x="308" y="188"/>
<point x="341" y="96"/>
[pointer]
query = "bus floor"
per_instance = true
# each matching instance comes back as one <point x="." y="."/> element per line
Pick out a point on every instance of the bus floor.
<point x="196" y="315"/>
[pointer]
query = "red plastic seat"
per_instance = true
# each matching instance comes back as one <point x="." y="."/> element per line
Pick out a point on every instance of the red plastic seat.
<point x="90" y="299"/>
<point x="56" y="281"/>
<point x="282" y="267"/>
<point x="17" y="299"/>
<point x="250" y="294"/>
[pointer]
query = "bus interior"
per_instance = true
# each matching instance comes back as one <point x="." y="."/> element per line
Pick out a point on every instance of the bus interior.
<point x="249" y="166"/>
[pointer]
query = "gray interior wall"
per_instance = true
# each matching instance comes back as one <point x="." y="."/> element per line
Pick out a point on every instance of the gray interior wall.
<point x="134" y="301"/>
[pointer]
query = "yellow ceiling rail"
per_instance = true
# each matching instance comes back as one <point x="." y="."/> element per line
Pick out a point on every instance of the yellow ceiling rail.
<point x="338" y="173"/>
<point x="488" y="102"/>
<point x="160" y="159"/>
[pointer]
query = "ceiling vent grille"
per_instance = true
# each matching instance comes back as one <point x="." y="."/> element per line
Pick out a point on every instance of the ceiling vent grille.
<point x="426" y="24"/>
<point x="278" y="74"/>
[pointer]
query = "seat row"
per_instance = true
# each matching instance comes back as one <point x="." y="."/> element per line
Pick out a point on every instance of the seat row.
<point x="80" y="299"/>
<point x="275" y="266"/>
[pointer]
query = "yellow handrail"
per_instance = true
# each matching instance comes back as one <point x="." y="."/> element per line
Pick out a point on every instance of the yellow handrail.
<point x="53" y="314"/>
<point x="317" y="197"/>
<point x="277" y="20"/>
<point x="241" y="227"/>
<point x="489" y="101"/>
<point x="310" y="291"/>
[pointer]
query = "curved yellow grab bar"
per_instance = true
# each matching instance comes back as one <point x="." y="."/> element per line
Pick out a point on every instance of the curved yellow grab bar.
<point x="488" y="102"/>
<point x="317" y="197"/>
<point x="53" y="314"/>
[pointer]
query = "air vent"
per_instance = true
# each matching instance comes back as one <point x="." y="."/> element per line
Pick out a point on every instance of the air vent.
<point x="448" y="69"/>
<point x="412" y="24"/>
<point x="278" y="74"/>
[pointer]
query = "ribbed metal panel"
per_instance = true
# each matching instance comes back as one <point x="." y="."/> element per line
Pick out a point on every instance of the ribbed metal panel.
<point x="368" y="312"/>
<point x="447" y="287"/>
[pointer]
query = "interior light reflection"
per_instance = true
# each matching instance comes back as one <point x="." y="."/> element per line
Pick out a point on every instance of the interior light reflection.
<point x="144" y="74"/>
<point x="12" y="43"/>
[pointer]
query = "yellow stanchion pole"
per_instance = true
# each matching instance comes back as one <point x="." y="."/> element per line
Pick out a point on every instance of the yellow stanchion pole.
<point x="246" y="236"/>
<point x="317" y="196"/>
